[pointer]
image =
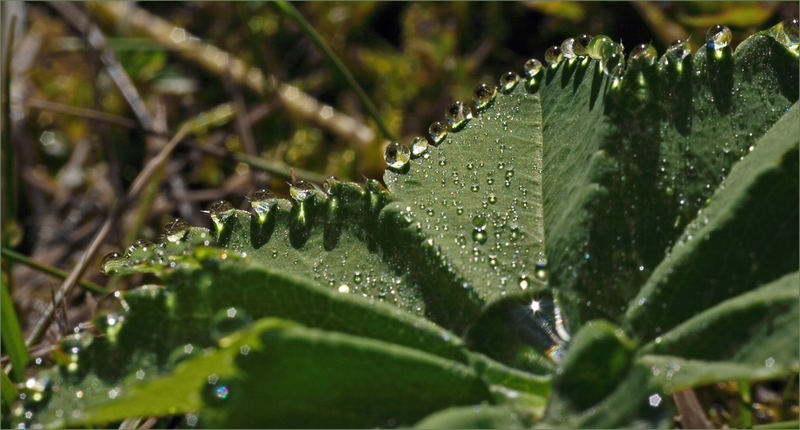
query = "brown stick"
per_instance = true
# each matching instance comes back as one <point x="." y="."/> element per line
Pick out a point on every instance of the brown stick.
<point x="220" y="62"/>
<point x="692" y="415"/>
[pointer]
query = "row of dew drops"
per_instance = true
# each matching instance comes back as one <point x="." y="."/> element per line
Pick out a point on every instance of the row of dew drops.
<point x="580" y="48"/>
<point x="174" y="231"/>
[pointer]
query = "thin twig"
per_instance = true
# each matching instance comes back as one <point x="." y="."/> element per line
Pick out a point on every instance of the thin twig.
<point x="274" y="167"/>
<point x="78" y="19"/>
<point x="79" y="112"/>
<point x="75" y="274"/>
<point x="50" y="270"/>
<point x="220" y="62"/>
<point x="309" y="30"/>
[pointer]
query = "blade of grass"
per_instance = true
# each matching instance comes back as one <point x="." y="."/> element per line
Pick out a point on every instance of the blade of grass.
<point x="24" y="259"/>
<point x="8" y="149"/>
<point x="308" y="29"/>
<point x="745" y="414"/>
<point x="12" y="334"/>
<point x="7" y="389"/>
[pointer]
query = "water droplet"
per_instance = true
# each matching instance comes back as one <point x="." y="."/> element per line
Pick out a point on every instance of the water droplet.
<point x="789" y="31"/>
<point x="642" y="56"/>
<point x="553" y="56"/>
<point x="479" y="221"/>
<point x="175" y="229"/>
<point x="479" y="235"/>
<point x="357" y="278"/>
<point x="301" y="190"/>
<point x="475" y="188"/>
<point x="217" y="211"/>
<point x="437" y="131"/>
<point x="613" y="64"/>
<point x="492" y="198"/>
<point x="508" y="81"/>
<point x="718" y="37"/>
<point x="397" y="155"/>
<point x="139" y="244"/>
<point x="532" y="67"/>
<point x="260" y="202"/>
<point x="458" y="115"/>
<point x="419" y="145"/>
<point x="111" y="256"/>
<point x="580" y="45"/>
<point x="566" y="48"/>
<point x="675" y="54"/>
<point x="344" y="288"/>
<point x="524" y="283"/>
<point x="597" y="47"/>
<point x="484" y="95"/>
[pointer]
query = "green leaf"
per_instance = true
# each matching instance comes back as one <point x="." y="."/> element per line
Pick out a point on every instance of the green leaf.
<point x="756" y="328"/>
<point x="9" y="392"/>
<point x="726" y="249"/>
<point x="628" y="163"/>
<point x="473" y="417"/>
<point x="301" y="374"/>
<point x="12" y="334"/>
<point x="468" y="213"/>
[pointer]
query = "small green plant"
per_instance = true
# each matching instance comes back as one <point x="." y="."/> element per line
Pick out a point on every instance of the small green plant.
<point x="588" y="237"/>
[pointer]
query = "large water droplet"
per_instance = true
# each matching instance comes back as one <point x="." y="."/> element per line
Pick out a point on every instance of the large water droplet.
<point x="260" y="202"/>
<point x="532" y="67"/>
<point x="553" y="56"/>
<point x="301" y="190"/>
<point x="597" y="46"/>
<point x="218" y="210"/>
<point x="566" y="48"/>
<point x="642" y="57"/>
<point x="437" y="131"/>
<point x="175" y="229"/>
<point x="111" y="256"/>
<point x="419" y="146"/>
<point x="397" y="156"/>
<point x="613" y="64"/>
<point x="675" y="54"/>
<point x="484" y="95"/>
<point x="718" y="37"/>
<point x="580" y="46"/>
<point x="458" y="115"/>
<point x="508" y="81"/>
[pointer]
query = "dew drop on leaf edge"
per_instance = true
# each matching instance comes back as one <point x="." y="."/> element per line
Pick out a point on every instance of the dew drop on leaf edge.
<point x="397" y="155"/>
